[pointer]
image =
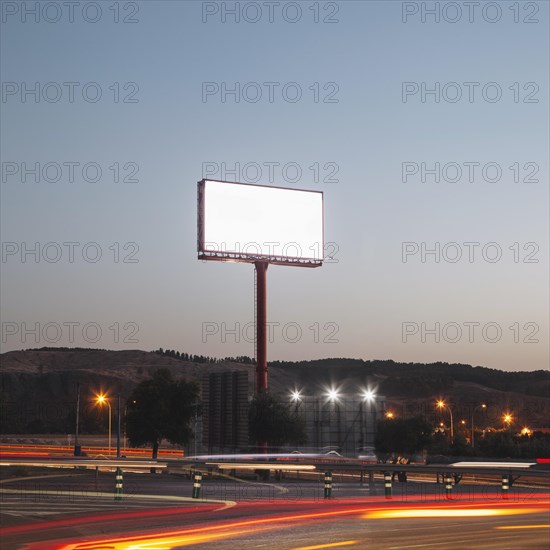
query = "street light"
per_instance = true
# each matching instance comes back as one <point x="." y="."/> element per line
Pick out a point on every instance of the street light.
<point x="296" y="396"/>
<point x="507" y="418"/>
<point x="101" y="399"/>
<point x="390" y="415"/>
<point x="482" y="406"/>
<point x="369" y="395"/>
<point x="442" y="405"/>
<point x="332" y="394"/>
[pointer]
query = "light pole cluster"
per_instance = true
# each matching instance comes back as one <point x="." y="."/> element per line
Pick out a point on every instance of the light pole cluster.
<point x="351" y="414"/>
<point x="333" y="395"/>
<point x="507" y="419"/>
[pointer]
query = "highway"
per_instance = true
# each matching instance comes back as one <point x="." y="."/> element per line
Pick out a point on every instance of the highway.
<point x="76" y="510"/>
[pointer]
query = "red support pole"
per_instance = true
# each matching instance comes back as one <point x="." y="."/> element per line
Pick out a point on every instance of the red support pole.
<point x="261" y="325"/>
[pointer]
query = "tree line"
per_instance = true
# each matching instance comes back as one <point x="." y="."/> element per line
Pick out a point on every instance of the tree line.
<point x="407" y="436"/>
<point x="244" y="359"/>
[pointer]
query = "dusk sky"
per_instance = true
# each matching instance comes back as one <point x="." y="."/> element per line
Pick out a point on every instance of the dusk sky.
<point x="362" y="100"/>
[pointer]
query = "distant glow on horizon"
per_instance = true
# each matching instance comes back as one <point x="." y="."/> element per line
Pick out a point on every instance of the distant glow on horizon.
<point x="262" y="221"/>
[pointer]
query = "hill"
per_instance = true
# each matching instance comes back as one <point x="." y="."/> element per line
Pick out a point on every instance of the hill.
<point x="38" y="387"/>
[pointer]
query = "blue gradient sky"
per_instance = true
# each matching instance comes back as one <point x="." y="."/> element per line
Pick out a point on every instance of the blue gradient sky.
<point x="169" y="296"/>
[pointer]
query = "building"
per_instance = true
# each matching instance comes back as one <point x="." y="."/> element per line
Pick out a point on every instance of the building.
<point x="225" y="412"/>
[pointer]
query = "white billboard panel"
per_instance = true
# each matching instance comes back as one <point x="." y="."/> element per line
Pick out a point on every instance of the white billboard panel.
<point x="250" y="223"/>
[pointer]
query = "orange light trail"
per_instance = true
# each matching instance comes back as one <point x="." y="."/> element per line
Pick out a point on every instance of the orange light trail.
<point x="542" y="526"/>
<point x="438" y="513"/>
<point x="328" y="545"/>
<point x="85" y="448"/>
<point x="238" y="528"/>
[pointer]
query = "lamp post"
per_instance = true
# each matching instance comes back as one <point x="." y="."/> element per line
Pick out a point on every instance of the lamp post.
<point x="507" y="419"/>
<point x="101" y="399"/>
<point x="296" y="398"/>
<point x="482" y="406"/>
<point x="442" y="405"/>
<point x="368" y="397"/>
<point x="118" y="428"/>
<point x="333" y="396"/>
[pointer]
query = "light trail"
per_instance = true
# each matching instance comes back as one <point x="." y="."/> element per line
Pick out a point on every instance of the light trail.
<point x="542" y="526"/>
<point x="231" y="529"/>
<point x="438" y="513"/>
<point x="261" y="466"/>
<point x="329" y="545"/>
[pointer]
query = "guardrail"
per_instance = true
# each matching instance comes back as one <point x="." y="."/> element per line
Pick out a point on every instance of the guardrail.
<point x="501" y="468"/>
<point x="85" y="463"/>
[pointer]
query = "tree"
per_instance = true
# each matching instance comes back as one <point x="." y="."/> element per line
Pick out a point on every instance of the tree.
<point x="272" y="422"/>
<point x="161" y="407"/>
<point x="403" y="435"/>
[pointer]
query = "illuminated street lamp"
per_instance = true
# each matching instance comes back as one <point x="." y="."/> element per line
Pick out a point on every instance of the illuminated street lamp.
<point x="332" y="395"/>
<point x="390" y="415"/>
<point x="482" y="406"/>
<point x="100" y="400"/>
<point x="442" y="405"/>
<point x="507" y="419"/>
<point x="296" y="396"/>
<point x="526" y="431"/>
<point x="369" y="396"/>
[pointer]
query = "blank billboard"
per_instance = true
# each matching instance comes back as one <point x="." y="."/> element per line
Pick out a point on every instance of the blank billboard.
<point x="245" y="222"/>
